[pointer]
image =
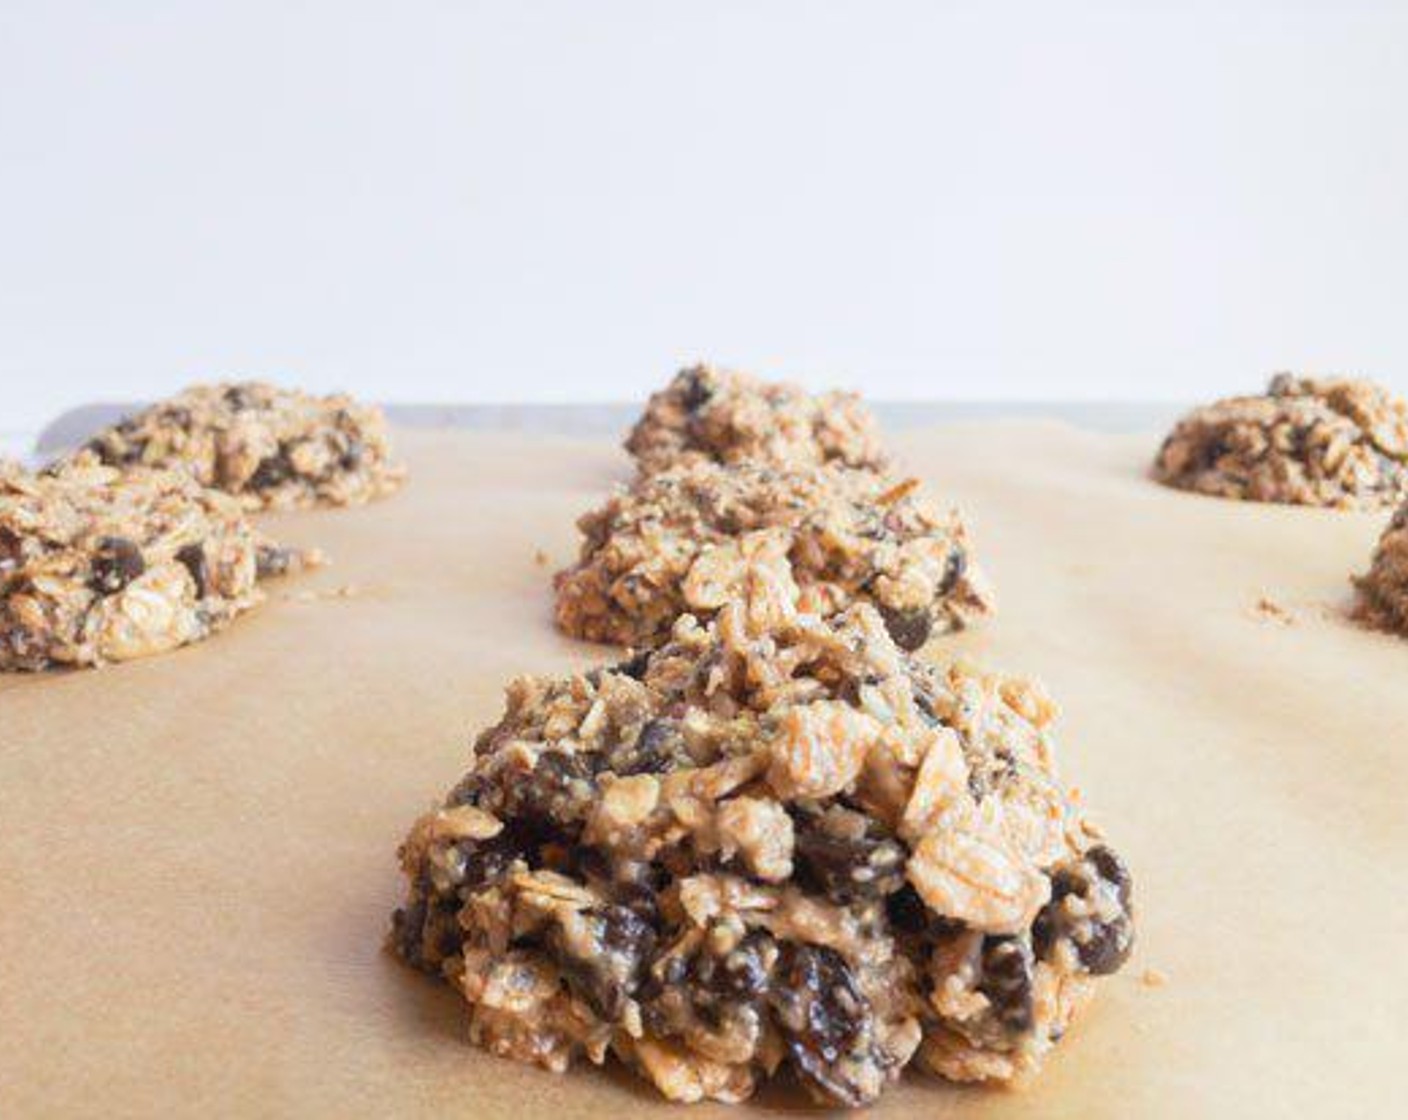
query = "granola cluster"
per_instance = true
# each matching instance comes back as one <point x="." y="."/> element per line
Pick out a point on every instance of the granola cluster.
<point x="1309" y="441"/>
<point x="680" y="540"/>
<point x="1384" y="588"/>
<point x="272" y="448"/>
<point x="774" y="842"/>
<point x="713" y="415"/>
<point x="99" y="565"/>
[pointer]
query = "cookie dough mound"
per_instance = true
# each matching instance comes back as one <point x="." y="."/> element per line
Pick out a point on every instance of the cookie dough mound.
<point x="1384" y="590"/>
<point x="678" y="542"/>
<point x="708" y="414"/>
<point x="103" y="565"/>
<point x="272" y="448"/>
<point x="1309" y="441"/>
<point x="776" y="841"/>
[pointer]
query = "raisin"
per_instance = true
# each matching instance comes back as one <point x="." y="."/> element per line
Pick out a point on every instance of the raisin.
<point x="634" y="666"/>
<point x="909" y="628"/>
<point x="906" y="911"/>
<point x="607" y="977"/>
<point x="658" y="749"/>
<point x="846" y="868"/>
<point x="1007" y="982"/>
<point x="427" y="930"/>
<point x="1101" y="945"/>
<point x="558" y="792"/>
<point x="238" y="398"/>
<point x="192" y="557"/>
<point x="117" y="561"/>
<point x="271" y="472"/>
<point x="486" y="861"/>
<point x="825" y="1020"/>
<point x="741" y="973"/>
<point x="352" y="457"/>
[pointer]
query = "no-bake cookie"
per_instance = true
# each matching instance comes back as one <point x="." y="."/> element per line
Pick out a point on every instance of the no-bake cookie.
<point x="98" y="564"/>
<point x="775" y="843"/>
<point x="1309" y="441"/>
<point x="1384" y="589"/>
<point x="713" y="415"/>
<point x="679" y="541"/>
<point x="272" y="448"/>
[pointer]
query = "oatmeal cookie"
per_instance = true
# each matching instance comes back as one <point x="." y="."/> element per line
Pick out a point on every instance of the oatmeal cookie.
<point x="775" y="841"/>
<point x="1384" y="589"/>
<point x="713" y="415"/>
<point x="272" y="448"/>
<point x="98" y="564"/>
<point x="1308" y="441"/>
<point x="678" y="542"/>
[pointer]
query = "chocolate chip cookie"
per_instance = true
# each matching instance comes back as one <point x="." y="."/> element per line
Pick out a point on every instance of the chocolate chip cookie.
<point x="713" y="415"/>
<point x="272" y="448"/>
<point x="98" y="564"/>
<point x="773" y="842"/>
<point x="1309" y="441"/>
<point x="680" y="540"/>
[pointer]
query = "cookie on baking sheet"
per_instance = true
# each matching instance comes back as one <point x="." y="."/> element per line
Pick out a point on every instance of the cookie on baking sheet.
<point x="272" y="448"/>
<point x="775" y="841"/>
<point x="99" y="565"/>
<point x="1383" y="590"/>
<point x="1337" y="442"/>
<point x="707" y="414"/>
<point x="678" y="541"/>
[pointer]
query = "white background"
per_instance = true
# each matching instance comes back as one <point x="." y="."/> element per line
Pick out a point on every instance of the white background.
<point x="558" y="200"/>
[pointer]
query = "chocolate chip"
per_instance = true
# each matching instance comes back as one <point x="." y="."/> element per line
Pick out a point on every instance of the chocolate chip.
<point x="909" y="628"/>
<point x="1102" y="945"/>
<point x="193" y="558"/>
<point x="116" y="562"/>
<point x="1112" y="869"/>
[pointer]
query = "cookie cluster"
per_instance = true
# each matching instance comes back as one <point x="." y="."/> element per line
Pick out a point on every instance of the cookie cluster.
<point x="139" y="542"/>
<point x="772" y="841"/>
<point x="729" y="466"/>
<point x="1318" y="441"/>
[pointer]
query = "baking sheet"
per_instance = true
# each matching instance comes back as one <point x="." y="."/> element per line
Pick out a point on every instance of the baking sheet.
<point x="197" y="851"/>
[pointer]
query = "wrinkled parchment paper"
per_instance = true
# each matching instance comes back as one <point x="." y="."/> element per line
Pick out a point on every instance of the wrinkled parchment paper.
<point x="197" y="851"/>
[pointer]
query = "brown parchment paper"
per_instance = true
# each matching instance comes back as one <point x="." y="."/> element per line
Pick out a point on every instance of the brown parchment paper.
<point x="197" y="851"/>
